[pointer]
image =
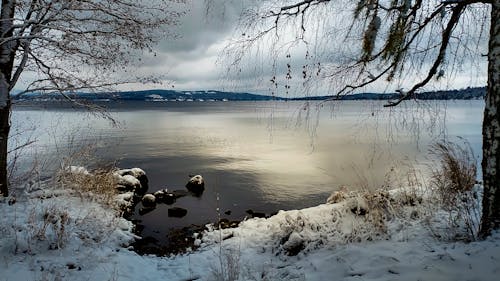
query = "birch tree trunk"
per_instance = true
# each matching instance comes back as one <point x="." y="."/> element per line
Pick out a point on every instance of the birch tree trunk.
<point x="4" y="136"/>
<point x="491" y="130"/>
<point x="6" y="66"/>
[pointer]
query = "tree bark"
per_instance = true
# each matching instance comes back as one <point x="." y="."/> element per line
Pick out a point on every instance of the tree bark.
<point x="4" y="136"/>
<point x="7" y="55"/>
<point x="491" y="131"/>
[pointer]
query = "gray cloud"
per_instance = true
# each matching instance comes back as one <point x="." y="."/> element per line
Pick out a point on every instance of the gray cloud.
<point x="192" y="60"/>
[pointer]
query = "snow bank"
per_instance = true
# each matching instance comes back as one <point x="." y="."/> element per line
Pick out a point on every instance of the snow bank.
<point x="51" y="237"/>
<point x="326" y="242"/>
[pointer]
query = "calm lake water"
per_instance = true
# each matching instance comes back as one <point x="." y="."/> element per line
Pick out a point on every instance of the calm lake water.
<point x="264" y="156"/>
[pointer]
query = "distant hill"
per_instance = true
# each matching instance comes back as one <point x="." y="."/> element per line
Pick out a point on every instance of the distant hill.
<point x="173" y="95"/>
<point x="157" y="96"/>
<point x="462" y="94"/>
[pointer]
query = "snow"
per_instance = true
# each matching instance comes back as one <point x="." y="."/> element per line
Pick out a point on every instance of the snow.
<point x="78" y="170"/>
<point x="333" y="243"/>
<point x="135" y="172"/>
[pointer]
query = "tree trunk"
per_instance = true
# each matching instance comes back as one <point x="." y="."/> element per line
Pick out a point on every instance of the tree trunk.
<point x="491" y="131"/>
<point x="4" y="136"/>
<point x="7" y="55"/>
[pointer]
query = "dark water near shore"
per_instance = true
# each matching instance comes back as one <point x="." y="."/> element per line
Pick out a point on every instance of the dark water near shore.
<point x="264" y="156"/>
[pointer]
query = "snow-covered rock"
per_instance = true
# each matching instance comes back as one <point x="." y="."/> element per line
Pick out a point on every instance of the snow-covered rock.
<point x="163" y="196"/>
<point x="125" y="200"/>
<point x="124" y="177"/>
<point x="196" y="184"/>
<point x="135" y="172"/>
<point x="128" y="183"/>
<point x="294" y="244"/>
<point x="79" y="170"/>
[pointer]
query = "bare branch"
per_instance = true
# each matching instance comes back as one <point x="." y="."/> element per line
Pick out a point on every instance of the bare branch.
<point x="445" y="39"/>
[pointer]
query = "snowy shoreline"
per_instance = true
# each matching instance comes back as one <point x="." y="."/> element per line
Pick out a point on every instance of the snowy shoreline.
<point x="56" y="234"/>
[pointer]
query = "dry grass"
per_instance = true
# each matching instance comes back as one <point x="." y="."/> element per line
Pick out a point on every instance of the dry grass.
<point x="52" y="227"/>
<point x="456" y="172"/>
<point x="453" y="180"/>
<point x="99" y="185"/>
<point x="228" y="268"/>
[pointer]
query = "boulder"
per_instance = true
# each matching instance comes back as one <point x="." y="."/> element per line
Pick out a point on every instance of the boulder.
<point x="179" y="193"/>
<point x="177" y="212"/>
<point x="255" y="214"/>
<point x="148" y="201"/>
<point x="137" y="173"/>
<point x="196" y="185"/>
<point x="127" y="183"/>
<point x="294" y="244"/>
<point x="163" y="196"/>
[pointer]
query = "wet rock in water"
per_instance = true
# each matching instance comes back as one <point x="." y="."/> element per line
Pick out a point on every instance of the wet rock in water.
<point x="294" y="244"/>
<point x="163" y="196"/>
<point x="160" y="193"/>
<point x="225" y="223"/>
<point x="228" y="212"/>
<point x="179" y="193"/>
<point x="196" y="185"/>
<point x="148" y="201"/>
<point x="255" y="214"/>
<point x="177" y="212"/>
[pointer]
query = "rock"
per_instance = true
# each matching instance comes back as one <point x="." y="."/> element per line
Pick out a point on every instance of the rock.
<point x="228" y="212"/>
<point x="160" y="193"/>
<point x="78" y="170"/>
<point x="294" y="244"/>
<point x="179" y="193"/>
<point x="12" y="201"/>
<point x="128" y="183"/>
<point x="358" y="210"/>
<point x="163" y="196"/>
<point x="126" y="201"/>
<point x="177" y="212"/>
<point x="255" y="214"/>
<point x="138" y="174"/>
<point x="357" y="205"/>
<point x="225" y="223"/>
<point x="196" y="185"/>
<point x="148" y="201"/>
<point x="135" y="172"/>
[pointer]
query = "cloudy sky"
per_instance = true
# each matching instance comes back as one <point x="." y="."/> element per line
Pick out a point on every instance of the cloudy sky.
<point x="191" y="61"/>
<point x="195" y="61"/>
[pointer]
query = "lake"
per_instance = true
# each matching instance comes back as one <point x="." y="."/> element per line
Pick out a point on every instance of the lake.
<point x="263" y="156"/>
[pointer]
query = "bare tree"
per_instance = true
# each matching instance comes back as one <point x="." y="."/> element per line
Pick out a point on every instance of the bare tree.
<point x="350" y="45"/>
<point x="71" y="45"/>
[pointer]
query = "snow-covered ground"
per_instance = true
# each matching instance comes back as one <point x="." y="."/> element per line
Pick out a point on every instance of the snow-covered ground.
<point x="59" y="235"/>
